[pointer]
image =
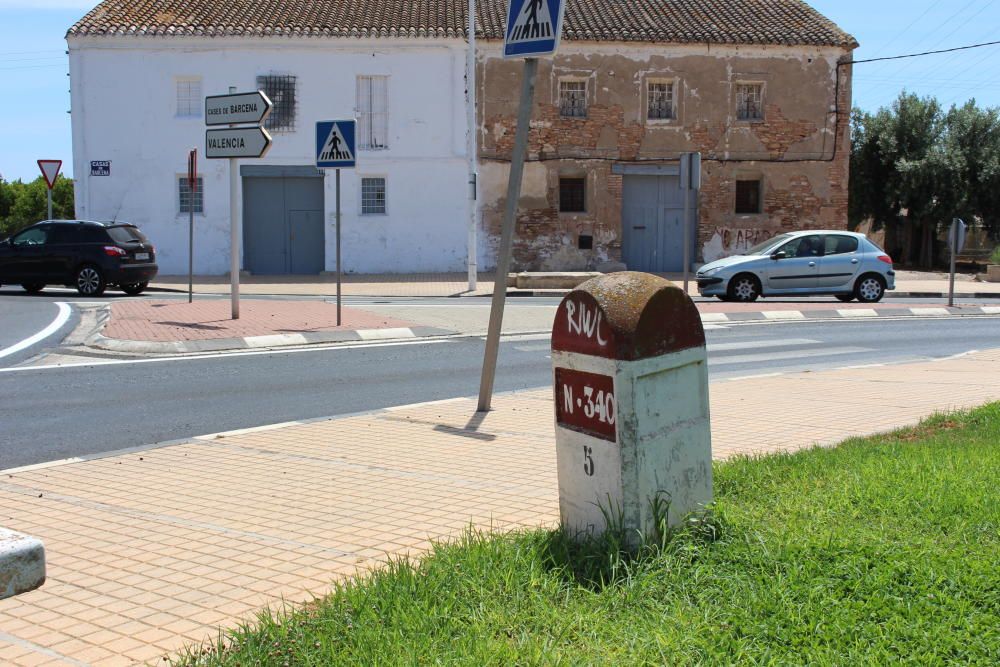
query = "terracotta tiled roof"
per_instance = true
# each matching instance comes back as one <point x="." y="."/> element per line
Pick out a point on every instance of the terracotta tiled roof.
<point x="665" y="21"/>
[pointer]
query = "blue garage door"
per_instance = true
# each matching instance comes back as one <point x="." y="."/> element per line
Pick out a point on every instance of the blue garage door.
<point x="283" y="225"/>
<point x="652" y="214"/>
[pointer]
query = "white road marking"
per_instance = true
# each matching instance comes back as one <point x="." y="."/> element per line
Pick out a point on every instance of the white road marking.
<point x="991" y="310"/>
<point x="225" y="355"/>
<point x="714" y="317"/>
<point x="784" y="315"/>
<point x="857" y="312"/>
<point x="930" y="311"/>
<point x="807" y="355"/>
<point x="61" y="318"/>
<point x="754" y="345"/>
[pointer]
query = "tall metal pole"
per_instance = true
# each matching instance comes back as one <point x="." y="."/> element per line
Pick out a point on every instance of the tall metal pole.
<point x="471" y="142"/>
<point x="954" y="251"/>
<point x="507" y="234"/>
<point x="338" y="248"/>
<point x="687" y="223"/>
<point x="194" y="195"/>
<point x="234" y="235"/>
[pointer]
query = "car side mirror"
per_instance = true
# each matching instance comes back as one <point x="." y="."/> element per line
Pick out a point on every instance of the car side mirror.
<point x="781" y="254"/>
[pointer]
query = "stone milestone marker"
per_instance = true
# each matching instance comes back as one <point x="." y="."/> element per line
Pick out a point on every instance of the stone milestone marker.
<point x="631" y="404"/>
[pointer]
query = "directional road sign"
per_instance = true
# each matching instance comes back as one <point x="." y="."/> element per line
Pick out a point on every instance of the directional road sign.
<point x="237" y="108"/>
<point x="533" y="28"/>
<point x="335" y="144"/>
<point x="50" y="170"/>
<point x="236" y="142"/>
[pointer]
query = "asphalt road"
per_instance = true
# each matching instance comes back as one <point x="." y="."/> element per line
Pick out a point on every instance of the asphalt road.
<point x="54" y="412"/>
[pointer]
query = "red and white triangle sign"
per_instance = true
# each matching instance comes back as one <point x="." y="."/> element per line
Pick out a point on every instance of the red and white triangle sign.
<point x="50" y="170"/>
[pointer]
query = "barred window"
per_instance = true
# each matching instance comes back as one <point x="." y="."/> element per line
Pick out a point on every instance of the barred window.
<point x="660" y="100"/>
<point x="185" y="200"/>
<point x="572" y="195"/>
<point x="373" y="112"/>
<point x="748" y="197"/>
<point x="189" y="99"/>
<point x="749" y="101"/>
<point x="372" y="196"/>
<point x="280" y="89"/>
<point x="573" y="99"/>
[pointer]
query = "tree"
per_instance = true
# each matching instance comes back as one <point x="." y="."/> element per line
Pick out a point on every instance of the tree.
<point x="915" y="167"/>
<point x="22" y="204"/>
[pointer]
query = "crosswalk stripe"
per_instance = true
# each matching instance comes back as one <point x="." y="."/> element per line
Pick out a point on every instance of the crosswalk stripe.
<point x="714" y="317"/>
<point x="857" y="312"/>
<point x="991" y="310"/>
<point x="784" y="315"/>
<point x="755" y="345"/>
<point x="805" y="355"/>
<point x="929" y="311"/>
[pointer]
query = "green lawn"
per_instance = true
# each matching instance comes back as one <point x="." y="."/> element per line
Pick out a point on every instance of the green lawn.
<point x="881" y="550"/>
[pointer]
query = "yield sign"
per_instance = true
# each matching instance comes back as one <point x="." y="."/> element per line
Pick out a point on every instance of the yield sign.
<point x="50" y="170"/>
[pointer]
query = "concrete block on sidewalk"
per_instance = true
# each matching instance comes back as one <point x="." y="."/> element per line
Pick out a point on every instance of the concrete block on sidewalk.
<point x="22" y="563"/>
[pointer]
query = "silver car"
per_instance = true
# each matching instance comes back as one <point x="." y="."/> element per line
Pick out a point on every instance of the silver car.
<point x="843" y="264"/>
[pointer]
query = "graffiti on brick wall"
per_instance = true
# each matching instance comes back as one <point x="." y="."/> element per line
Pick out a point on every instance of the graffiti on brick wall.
<point x="727" y="241"/>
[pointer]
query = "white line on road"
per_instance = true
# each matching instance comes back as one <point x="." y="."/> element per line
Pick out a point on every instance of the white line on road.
<point x="64" y="312"/>
<point x="757" y="344"/>
<point x="791" y="354"/>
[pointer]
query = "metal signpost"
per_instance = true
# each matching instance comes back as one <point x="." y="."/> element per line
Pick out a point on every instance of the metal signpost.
<point x="193" y="192"/>
<point x="533" y="29"/>
<point x="50" y="171"/>
<point x="690" y="181"/>
<point x="956" y="243"/>
<point x="336" y="148"/>
<point x="233" y="143"/>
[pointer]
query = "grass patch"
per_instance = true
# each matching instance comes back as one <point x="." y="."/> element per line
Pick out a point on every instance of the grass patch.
<point x="880" y="550"/>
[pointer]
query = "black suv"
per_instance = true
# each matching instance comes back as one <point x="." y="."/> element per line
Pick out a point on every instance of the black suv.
<point x="77" y="253"/>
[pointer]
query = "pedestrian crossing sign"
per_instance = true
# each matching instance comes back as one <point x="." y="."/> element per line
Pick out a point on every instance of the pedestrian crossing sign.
<point x="533" y="28"/>
<point x="335" y="145"/>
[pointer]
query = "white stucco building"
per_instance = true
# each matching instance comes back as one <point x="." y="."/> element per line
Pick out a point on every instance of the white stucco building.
<point x="138" y="103"/>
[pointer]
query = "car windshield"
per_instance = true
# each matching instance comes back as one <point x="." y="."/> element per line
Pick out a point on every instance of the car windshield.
<point x="761" y="248"/>
<point x="127" y="235"/>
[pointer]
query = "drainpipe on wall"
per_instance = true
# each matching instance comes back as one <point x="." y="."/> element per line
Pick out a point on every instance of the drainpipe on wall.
<point x="471" y="129"/>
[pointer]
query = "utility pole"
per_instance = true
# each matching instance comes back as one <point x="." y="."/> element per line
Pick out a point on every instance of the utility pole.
<point x="471" y="147"/>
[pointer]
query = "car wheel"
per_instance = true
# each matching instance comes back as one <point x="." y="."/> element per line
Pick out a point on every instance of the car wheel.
<point x="33" y="288"/>
<point x="846" y="298"/>
<point x="134" y="288"/>
<point x="744" y="287"/>
<point x="89" y="280"/>
<point x="870" y="289"/>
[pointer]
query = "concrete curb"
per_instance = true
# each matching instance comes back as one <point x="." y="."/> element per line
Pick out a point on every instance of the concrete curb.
<point x="258" y="342"/>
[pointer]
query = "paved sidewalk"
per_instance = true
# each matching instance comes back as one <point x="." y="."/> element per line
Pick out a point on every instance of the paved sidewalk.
<point x="152" y="549"/>
<point x="456" y="284"/>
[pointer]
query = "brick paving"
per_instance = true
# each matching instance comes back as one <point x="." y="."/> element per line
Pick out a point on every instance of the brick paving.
<point x="151" y="550"/>
<point x="205" y="319"/>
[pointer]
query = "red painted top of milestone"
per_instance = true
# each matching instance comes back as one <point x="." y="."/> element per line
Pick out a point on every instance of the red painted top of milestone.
<point x="627" y="316"/>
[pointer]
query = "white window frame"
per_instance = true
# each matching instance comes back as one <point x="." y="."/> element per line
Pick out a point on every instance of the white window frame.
<point x="193" y="106"/>
<point x="737" y="94"/>
<point x="675" y="87"/>
<point x="586" y="95"/>
<point x="182" y="177"/>
<point x="373" y="122"/>
<point x="361" y="195"/>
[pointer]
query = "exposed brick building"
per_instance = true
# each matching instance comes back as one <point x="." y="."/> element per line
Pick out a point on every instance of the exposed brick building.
<point x="759" y="87"/>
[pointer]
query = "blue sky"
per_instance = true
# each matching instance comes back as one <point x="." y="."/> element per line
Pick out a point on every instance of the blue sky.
<point x="35" y="87"/>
